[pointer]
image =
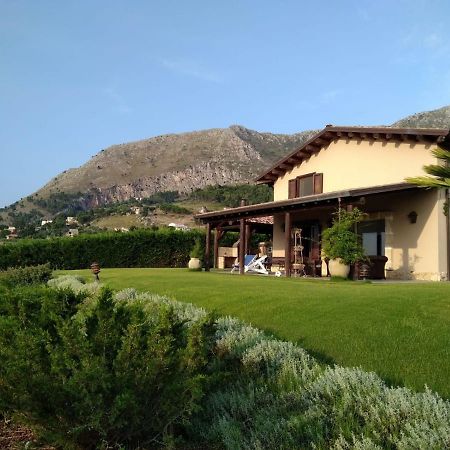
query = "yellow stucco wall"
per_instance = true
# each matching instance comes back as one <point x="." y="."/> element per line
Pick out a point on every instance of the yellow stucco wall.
<point x="416" y="251"/>
<point x="352" y="163"/>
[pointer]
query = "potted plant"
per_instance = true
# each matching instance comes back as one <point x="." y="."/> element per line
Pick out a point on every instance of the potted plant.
<point x="196" y="254"/>
<point x="341" y="244"/>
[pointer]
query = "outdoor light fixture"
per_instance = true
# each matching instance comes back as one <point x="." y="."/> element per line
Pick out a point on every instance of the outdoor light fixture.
<point x="412" y="216"/>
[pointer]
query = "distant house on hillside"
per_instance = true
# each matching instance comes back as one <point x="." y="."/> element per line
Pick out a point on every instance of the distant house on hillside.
<point x="71" y="221"/>
<point x="12" y="233"/>
<point x="45" y="222"/>
<point x="179" y="226"/>
<point x="353" y="167"/>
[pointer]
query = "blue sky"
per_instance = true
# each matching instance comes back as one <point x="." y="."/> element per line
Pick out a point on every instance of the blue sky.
<point x="77" y="76"/>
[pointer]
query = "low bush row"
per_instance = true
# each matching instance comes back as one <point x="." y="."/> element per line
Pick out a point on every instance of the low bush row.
<point x="137" y="369"/>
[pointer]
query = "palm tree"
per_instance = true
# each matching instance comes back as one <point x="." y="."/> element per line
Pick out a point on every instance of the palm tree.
<point x="440" y="173"/>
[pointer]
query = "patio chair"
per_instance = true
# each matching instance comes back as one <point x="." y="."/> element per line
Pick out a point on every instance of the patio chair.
<point x="257" y="266"/>
<point x="247" y="261"/>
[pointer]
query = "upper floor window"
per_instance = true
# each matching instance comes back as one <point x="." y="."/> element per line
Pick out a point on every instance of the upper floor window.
<point x="309" y="184"/>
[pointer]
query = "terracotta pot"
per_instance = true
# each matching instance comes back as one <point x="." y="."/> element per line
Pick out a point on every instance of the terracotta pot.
<point x="338" y="269"/>
<point x="195" y="264"/>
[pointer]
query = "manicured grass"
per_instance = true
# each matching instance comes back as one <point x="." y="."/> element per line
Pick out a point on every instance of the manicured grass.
<point x="400" y="331"/>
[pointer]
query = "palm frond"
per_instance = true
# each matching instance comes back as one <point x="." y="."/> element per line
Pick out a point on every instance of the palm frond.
<point x="437" y="170"/>
<point x="429" y="182"/>
<point x="442" y="154"/>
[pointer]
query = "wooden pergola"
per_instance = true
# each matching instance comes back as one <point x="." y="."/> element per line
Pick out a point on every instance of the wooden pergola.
<point x="241" y="217"/>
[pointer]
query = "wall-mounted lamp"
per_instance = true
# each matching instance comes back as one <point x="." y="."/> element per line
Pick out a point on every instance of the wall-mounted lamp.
<point x="412" y="216"/>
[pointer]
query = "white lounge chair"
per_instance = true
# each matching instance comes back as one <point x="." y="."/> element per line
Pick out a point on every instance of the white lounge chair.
<point x="257" y="266"/>
<point x="247" y="261"/>
<point x="252" y="264"/>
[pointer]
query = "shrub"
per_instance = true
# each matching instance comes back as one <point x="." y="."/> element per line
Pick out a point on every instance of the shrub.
<point x="340" y="240"/>
<point x="102" y="371"/>
<point x="198" y="250"/>
<point x="174" y="209"/>
<point x="75" y="284"/>
<point x="27" y="275"/>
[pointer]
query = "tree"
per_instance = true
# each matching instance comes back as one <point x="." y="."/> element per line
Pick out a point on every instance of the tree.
<point x="440" y="173"/>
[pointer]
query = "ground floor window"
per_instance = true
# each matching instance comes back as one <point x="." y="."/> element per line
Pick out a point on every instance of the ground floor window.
<point x="373" y="237"/>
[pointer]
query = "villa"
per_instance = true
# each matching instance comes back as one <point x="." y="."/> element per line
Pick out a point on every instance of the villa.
<point x="348" y="167"/>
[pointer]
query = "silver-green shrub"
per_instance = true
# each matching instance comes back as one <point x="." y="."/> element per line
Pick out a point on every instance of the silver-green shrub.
<point x="356" y="443"/>
<point x="235" y="337"/>
<point x="75" y="284"/>
<point x="271" y="356"/>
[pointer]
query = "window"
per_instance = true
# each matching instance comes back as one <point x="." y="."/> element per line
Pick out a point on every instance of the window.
<point x="304" y="185"/>
<point x="373" y="237"/>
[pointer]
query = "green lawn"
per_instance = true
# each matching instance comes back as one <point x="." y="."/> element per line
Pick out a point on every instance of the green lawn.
<point x="401" y="331"/>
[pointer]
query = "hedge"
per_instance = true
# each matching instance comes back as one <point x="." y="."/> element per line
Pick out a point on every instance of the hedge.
<point x="141" y="248"/>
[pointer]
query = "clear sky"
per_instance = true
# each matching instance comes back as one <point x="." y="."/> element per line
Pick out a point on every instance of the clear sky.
<point x="79" y="75"/>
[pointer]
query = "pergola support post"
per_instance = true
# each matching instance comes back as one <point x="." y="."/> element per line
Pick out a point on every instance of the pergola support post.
<point x="287" y="243"/>
<point x="242" y="246"/>
<point x="207" y="247"/>
<point x="248" y="230"/>
<point x="217" y="236"/>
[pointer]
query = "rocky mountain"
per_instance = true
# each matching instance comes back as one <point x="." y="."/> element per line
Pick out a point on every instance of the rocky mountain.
<point x="186" y="161"/>
<point x="174" y="162"/>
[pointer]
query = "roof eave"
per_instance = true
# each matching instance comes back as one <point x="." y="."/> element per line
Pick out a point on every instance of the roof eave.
<point x="430" y="136"/>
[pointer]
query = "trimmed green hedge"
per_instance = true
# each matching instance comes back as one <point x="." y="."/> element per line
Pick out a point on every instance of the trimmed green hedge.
<point x="141" y="248"/>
